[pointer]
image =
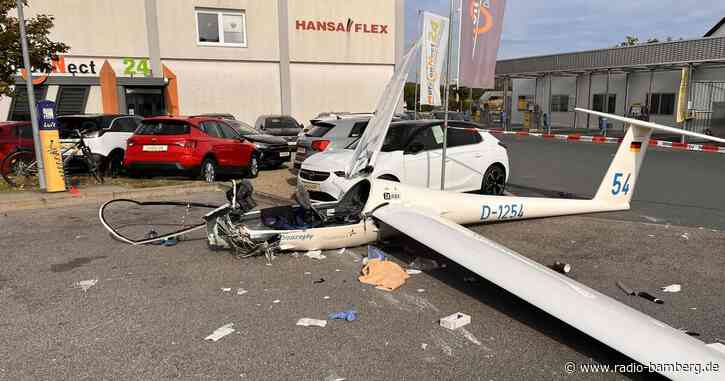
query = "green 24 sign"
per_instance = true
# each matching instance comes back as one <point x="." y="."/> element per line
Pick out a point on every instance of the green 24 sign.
<point x="136" y="67"/>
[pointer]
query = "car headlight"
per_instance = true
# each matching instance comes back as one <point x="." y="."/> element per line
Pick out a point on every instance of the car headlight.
<point x="260" y="145"/>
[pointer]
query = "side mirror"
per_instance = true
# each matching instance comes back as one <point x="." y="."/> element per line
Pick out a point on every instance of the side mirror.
<point x="414" y="148"/>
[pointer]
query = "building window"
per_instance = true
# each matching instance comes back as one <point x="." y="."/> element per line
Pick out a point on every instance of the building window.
<point x="71" y="100"/>
<point x="19" y="108"/>
<point x="559" y="103"/>
<point x="221" y="28"/>
<point x="662" y="104"/>
<point x="598" y="103"/>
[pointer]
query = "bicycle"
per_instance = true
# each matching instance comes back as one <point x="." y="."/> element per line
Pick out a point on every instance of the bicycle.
<point x="20" y="169"/>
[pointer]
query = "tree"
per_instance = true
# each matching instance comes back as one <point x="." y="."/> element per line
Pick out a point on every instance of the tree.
<point x="41" y="48"/>
<point x="630" y="41"/>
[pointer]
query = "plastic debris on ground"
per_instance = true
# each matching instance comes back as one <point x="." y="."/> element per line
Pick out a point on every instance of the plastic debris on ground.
<point x="413" y="271"/>
<point x="226" y="289"/>
<point x="421" y="290"/>
<point x="686" y="236"/>
<point x="326" y="297"/>
<point x="276" y="301"/>
<point x="385" y="275"/>
<point x="349" y="315"/>
<point x="455" y="321"/>
<point x="424" y="346"/>
<point x="650" y="297"/>
<point x="220" y="332"/>
<point x="315" y="254"/>
<point x="309" y="322"/>
<point x="374" y="253"/>
<point x="86" y="284"/>
<point x="672" y="288"/>
<point x="241" y="291"/>
<point x="321" y="280"/>
<point x="560" y="267"/>
<point x="627" y="290"/>
<point x="341" y="251"/>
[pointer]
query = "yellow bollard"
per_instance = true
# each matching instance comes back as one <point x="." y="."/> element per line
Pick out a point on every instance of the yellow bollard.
<point x="50" y="147"/>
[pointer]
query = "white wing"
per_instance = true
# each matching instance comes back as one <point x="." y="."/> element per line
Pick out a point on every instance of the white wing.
<point x="621" y="327"/>
<point x="372" y="139"/>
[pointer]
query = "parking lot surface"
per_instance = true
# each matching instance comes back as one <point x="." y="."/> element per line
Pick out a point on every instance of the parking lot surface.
<point x="152" y="307"/>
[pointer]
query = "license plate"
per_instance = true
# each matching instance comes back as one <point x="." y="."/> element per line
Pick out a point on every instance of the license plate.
<point x="301" y="150"/>
<point x="291" y="143"/>
<point x="283" y="154"/>
<point x="310" y="186"/>
<point x="155" y="148"/>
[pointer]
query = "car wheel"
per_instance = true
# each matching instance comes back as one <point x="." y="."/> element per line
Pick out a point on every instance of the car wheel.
<point x="253" y="166"/>
<point x="208" y="170"/>
<point x="494" y="180"/>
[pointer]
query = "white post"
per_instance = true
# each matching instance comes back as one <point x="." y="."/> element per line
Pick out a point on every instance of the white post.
<point x="445" y="118"/>
<point x="31" y="97"/>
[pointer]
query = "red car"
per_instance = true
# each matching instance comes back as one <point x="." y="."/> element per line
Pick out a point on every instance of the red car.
<point x="203" y="146"/>
<point x="15" y="136"/>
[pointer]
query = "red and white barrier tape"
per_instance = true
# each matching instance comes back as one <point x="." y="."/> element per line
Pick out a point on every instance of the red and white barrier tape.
<point x="604" y="139"/>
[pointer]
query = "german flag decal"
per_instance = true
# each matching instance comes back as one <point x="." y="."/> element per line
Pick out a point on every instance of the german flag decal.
<point x="635" y="146"/>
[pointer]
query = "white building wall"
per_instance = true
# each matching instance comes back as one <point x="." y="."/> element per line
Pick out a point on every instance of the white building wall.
<point x="317" y="88"/>
<point x="243" y="89"/>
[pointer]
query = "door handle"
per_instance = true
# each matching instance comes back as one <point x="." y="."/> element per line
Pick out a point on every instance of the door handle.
<point x="479" y="155"/>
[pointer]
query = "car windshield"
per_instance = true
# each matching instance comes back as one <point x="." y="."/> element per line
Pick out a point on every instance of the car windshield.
<point x="319" y="129"/>
<point x="243" y="128"/>
<point x="163" y="127"/>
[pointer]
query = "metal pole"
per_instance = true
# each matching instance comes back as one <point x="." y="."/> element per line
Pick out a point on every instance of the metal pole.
<point x="551" y="79"/>
<point x="416" y="104"/>
<point x="606" y="104"/>
<point x="31" y="97"/>
<point x="589" y="98"/>
<point x="445" y="118"/>
<point x="649" y="94"/>
<point x="626" y="94"/>
<point x="576" y="96"/>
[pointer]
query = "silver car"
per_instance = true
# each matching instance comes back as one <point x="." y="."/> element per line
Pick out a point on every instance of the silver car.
<point x="327" y="134"/>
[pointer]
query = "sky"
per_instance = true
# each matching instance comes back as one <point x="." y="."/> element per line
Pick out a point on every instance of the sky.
<point x="537" y="27"/>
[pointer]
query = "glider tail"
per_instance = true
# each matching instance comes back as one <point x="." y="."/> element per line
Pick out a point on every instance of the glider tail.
<point x="619" y="183"/>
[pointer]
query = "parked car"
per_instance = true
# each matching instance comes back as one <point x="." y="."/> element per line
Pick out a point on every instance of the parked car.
<point x="15" y="136"/>
<point x="452" y="115"/>
<point x="196" y="146"/>
<point x="279" y="125"/>
<point x="329" y="134"/>
<point x="104" y="134"/>
<point x="411" y="154"/>
<point x="273" y="150"/>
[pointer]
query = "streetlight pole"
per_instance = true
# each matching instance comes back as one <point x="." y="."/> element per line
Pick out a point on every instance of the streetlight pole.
<point x="445" y="118"/>
<point x="31" y="97"/>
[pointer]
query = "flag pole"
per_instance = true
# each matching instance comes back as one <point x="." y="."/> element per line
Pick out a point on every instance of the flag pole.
<point x="416" y="104"/>
<point x="445" y="118"/>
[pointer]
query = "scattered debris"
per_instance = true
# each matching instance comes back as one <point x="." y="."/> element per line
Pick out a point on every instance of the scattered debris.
<point x="426" y="264"/>
<point x="424" y="346"/>
<point x="220" y="332"/>
<point x="693" y="308"/>
<point x="413" y="271"/>
<point x="691" y="333"/>
<point x="276" y="301"/>
<point x="650" y="297"/>
<point x="455" y="321"/>
<point x="349" y="315"/>
<point x="341" y="251"/>
<point x="337" y="270"/>
<point x="308" y="273"/>
<point x="470" y="337"/>
<point x="686" y="236"/>
<point x="420" y="290"/>
<point x="295" y="254"/>
<point x="652" y="219"/>
<point x="388" y="275"/>
<point x="308" y="322"/>
<point x="651" y="235"/>
<point x="86" y="284"/>
<point x="672" y="288"/>
<point x="241" y="291"/>
<point x="326" y="297"/>
<point x="226" y="289"/>
<point x="563" y="268"/>
<point x="374" y="253"/>
<point x="315" y="254"/>
<point x="321" y="280"/>
<point x="171" y="241"/>
<point x="627" y="290"/>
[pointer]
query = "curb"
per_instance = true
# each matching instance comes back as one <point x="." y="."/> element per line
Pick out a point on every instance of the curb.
<point x="64" y="200"/>
<point x="603" y="140"/>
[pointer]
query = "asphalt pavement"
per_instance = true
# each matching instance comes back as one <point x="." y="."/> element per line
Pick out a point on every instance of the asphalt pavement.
<point x="674" y="187"/>
<point x="152" y="306"/>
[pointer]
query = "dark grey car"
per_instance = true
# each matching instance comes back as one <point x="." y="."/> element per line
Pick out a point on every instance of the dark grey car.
<point x="328" y="134"/>
<point x="283" y="126"/>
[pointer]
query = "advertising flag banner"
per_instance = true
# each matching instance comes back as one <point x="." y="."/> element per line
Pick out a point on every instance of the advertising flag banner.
<point x="481" y="24"/>
<point x="433" y="52"/>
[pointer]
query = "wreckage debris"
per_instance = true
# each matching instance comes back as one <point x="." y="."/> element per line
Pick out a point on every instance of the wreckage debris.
<point x="315" y="254"/>
<point x="562" y="268"/>
<point x="672" y="288"/>
<point x="627" y="290"/>
<point x="385" y="275"/>
<point x="241" y="291"/>
<point x="220" y="332"/>
<point x="650" y="297"/>
<point x="413" y="271"/>
<point x="374" y="253"/>
<point x="321" y="280"/>
<point x="349" y="315"/>
<point x="455" y="321"/>
<point x="309" y="322"/>
<point x="86" y="284"/>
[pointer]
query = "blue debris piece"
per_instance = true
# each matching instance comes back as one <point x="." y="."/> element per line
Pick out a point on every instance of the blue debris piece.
<point x="349" y="315"/>
<point x="375" y="253"/>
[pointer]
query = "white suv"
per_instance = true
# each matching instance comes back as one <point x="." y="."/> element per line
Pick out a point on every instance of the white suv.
<point x="411" y="154"/>
<point x="104" y="134"/>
